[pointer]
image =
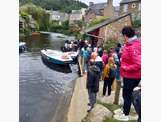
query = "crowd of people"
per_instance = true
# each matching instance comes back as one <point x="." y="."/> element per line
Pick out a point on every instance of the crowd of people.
<point x="121" y="63"/>
<point x="70" y="46"/>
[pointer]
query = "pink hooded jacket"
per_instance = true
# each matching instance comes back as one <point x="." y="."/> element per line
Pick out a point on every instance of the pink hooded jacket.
<point x="131" y="60"/>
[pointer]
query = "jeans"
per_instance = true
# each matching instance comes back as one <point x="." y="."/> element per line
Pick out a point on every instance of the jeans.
<point x="129" y="85"/>
<point x="107" y="82"/>
<point x="92" y="97"/>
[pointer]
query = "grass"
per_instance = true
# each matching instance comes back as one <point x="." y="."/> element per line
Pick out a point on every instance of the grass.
<point x="109" y="106"/>
<point x="113" y="107"/>
<point x="114" y="120"/>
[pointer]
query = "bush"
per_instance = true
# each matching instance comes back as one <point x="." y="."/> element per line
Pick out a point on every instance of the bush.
<point x="110" y="43"/>
<point x="97" y="21"/>
<point x="137" y="22"/>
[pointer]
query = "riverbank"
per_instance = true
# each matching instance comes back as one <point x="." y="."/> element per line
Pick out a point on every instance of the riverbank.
<point x="78" y="106"/>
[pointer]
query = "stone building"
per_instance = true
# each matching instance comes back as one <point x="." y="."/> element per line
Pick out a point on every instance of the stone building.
<point x="98" y="8"/>
<point x="101" y="10"/>
<point x="77" y="15"/>
<point x="58" y="16"/>
<point x="110" y="28"/>
<point x="132" y="6"/>
<point x="116" y="11"/>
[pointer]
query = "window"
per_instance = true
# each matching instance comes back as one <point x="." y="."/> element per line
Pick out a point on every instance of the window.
<point x="133" y="5"/>
<point x="125" y="8"/>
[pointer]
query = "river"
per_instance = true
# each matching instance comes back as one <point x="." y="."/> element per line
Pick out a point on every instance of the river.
<point x="45" y="90"/>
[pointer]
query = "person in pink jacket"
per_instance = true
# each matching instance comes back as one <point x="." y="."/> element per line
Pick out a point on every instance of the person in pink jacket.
<point x="130" y="69"/>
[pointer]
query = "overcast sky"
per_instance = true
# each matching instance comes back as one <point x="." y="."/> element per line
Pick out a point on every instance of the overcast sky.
<point x="115" y="2"/>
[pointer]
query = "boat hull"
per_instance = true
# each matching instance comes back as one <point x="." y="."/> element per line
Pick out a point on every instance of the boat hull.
<point x="54" y="60"/>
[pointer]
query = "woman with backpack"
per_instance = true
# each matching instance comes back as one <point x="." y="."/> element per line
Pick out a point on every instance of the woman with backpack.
<point x="109" y="74"/>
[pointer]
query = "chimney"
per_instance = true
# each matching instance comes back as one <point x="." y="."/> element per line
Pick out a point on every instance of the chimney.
<point x="110" y="2"/>
<point x="91" y="4"/>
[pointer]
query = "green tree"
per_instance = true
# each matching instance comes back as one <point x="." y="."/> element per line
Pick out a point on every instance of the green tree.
<point x="38" y="14"/>
<point x="137" y="21"/>
<point x="110" y="43"/>
<point x="62" y="5"/>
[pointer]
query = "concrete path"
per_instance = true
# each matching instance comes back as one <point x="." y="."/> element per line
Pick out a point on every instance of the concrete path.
<point x="78" y="106"/>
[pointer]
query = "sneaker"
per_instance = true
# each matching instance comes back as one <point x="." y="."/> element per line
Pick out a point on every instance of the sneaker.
<point x="121" y="117"/>
<point x="89" y="110"/>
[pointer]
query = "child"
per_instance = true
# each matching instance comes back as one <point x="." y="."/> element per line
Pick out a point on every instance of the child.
<point x="93" y="76"/>
<point x="109" y="75"/>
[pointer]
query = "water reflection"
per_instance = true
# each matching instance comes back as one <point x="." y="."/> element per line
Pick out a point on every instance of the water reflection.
<point x="56" y="67"/>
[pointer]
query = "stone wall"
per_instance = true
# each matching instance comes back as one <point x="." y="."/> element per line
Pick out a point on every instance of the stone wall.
<point x="113" y="30"/>
<point x="133" y="7"/>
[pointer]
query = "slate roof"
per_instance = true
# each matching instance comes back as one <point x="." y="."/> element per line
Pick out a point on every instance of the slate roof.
<point x="97" y="7"/>
<point x="128" y="1"/>
<point x="106" y="22"/>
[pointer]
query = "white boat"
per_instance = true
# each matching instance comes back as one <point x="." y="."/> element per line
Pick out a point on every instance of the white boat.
<point x="21" y="44"/>
<point x="73" y="54"/>
<point x="56" y="57"/>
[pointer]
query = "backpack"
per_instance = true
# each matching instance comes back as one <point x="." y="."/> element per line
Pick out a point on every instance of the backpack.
<point x="116" y="60"/>
<point x="112" y="72"/>
<point x="86" y="54"/>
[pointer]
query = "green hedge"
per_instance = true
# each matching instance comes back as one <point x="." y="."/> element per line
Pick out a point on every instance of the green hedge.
<point x="110" y="43"/>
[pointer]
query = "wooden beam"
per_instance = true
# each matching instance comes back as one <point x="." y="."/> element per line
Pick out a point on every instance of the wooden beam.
<point x="94" y="36"/>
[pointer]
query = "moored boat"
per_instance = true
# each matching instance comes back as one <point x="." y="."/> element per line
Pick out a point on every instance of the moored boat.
<point x="22" y="46"/>
<point x="74" y="55"/>
<point x="56" y="57"/>
<point x="35" y="33"/>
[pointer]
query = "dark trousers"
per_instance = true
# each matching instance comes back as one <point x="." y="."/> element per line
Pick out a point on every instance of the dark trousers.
<point x="92" y="97"/>
<point x="129" y="85"/>
<point x="107" y="82"/>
